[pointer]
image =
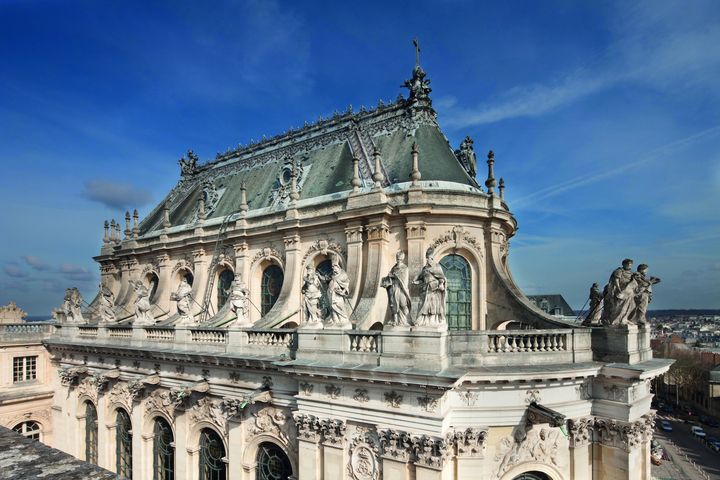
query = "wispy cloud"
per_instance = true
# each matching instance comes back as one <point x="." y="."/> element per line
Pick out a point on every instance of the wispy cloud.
<point x="116" y="195"/>
<point x="583" y="180"/>
<point x="653" y="48"/>
<point x="36" y="264"/>
<point x="13" y="270"/>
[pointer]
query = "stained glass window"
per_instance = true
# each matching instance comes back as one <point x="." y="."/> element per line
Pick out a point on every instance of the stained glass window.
<point x="29" y="429"/>
<point x="458" y="297"/>
<point x="224" y="287"/>
<point x="123" y="444"/>
<point x="212" y="453"/>
<point x="91" y="433"/>
<point x="163" y="451"/>
<point x="272" y="463"/>
<point x="272" y="281"/>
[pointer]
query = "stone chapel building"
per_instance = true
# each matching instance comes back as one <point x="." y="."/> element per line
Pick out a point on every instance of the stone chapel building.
<point x="335" y="303"/>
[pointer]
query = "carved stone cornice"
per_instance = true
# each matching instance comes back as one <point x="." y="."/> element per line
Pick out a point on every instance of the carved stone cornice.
<point x="333" y="432"/>
<point x="469" y="442"/>
<point x="580" y="431"/>
<point x="430" y="451"/>
<point x="626" y="436"/>
<point x="309" y="427"/>
<point x="395" y="445"/>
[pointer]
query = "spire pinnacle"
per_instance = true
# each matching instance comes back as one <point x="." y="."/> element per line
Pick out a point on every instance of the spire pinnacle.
<point x="490" y="182"/>
<point x="355" y="182"/>
<point x="416" y="43"/>
<point x="243" y="198"/>
<point x="501" y="186"/>
<point x="378" y="176"/>
<point x="415" y="174"/>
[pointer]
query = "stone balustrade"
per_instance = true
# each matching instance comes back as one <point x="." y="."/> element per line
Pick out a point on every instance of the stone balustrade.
<point x="420" y="349"/>
<point x="25" y="331"/>
<point x="271" y="337"/>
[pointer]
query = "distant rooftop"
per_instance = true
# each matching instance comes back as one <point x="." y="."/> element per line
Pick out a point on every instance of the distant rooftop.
<point x="553" y="303"/>
<point x="24" y="459"/>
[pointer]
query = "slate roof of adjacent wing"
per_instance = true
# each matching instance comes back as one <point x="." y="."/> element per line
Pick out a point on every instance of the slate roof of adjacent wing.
<point x="554" y="301"/>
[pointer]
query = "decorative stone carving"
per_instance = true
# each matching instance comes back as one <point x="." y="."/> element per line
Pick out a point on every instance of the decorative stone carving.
<point x="469" y="398"/>
<point x="364" y="463"/>
<point x="106" y="305"/>
<point x="239" y="302"/>
<point x="626" y="436"/>
<point x="432" y="279"/>
<point x="395" y="444"/>
<point x="326" y="248"/>
<point x="580" y="431"/>
<point x="458" y="237"/>
<point x="332" y="391"/>
<point x="188" y="166"/>
<point x="183" y="296"/>
<point x="309" y="427"/>
<point x="467" y="157"/>
<point x="338" y="292"/>
<point x="539" y="444"/>
<point x="166" y="401"/>
<point x="614" y="393"/>
<point x="393" y="399"/>
<point x="266" y="254"/>
<point x="312" y="293"/>
<point x="269" y="420"/>
<point x="595" y="308"/>
<point x="361" y="395"/>
<point x="184" y="264"/>
<point x="583" y="390"/>
<point x="333" y="431"/>
<point x="428" y="403"/>
<point x="70" y="310"/>
<point x="208" y="410"/>
<point x="289" y="182"/>
<point x="470" y="442"/>
<point x="532" y="396"/>
<point x="267" y="383"/>
<point x="396" y="284"/>
<point x="430" y="451"/>
<point x="627" y="295"/>
<point x="306" y="388"/>
<point x="88" y="388"/>
<point x="70" y="376"/>
<point x="125" y="393"/>
<point x="143" y="315"/>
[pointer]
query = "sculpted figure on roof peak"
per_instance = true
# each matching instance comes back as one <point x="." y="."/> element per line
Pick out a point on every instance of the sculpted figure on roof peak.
<point x="419" y="86"/>
<point x="188" y="166"/>
<point x="627" y="295"/>
<point x="467" y="157"/>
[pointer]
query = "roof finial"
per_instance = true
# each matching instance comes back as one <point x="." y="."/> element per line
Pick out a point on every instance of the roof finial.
<point x="294" y="194"/>
<point x="355" y="182"/>
<point x="243" y="198"/>
<point x="136" y="227"/>
<point x="490" y="182"/>
<point x="128" y="232"/>
<point x="501" y="186"/>
<point x="166" y="216"/>
<point x="415" y="174"/>
<point x="106" y="237"/>
<point x="117" y="232"/>
<point x="378" y="176"/>
<point x="416" y="42"/>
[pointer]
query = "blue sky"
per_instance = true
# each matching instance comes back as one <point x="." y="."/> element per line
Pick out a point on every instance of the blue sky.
<point x="604" y="118"/>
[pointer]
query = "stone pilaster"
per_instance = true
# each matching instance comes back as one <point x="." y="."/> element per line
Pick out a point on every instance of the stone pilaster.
<point x="162" y="295"/>
<point x="372" y="306"/>
<point x="623" y="448"/>
<point x="309" y="448"/>
<point x="199" y="279"/>
<point x="333" y="444"/>
<point x="580" y="433"/>
<point x="354" y="240"/>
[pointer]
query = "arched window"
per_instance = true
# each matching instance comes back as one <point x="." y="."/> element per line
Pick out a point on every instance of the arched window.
<point x="29" y="429"/>
<point x="163" y="451"/>
<point x="224" y="287"/>
<point x="123" y="444"/>
<point x="153" y="282"/>
<point x="532" y="476"/>
<point x="272" y="463"/>
<point x="91" y="433"/>
<point x="272" y="281"/>
<point x="212" y="454"/>
<point x="458" y="298"/>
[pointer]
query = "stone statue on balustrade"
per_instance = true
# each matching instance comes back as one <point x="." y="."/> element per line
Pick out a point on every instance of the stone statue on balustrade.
<point x="106" y="307"/>
<point x="643" y="294"/>
<point x="182" y="296"/>
<point x="432" y="281"/>
<point x="70" y="310"/>
<point x="396" y="284"/>
<point x="312" y="293"/>
<point x="239" y="303"/>
<point x="338" y="293"/>
<point x="595" y="308"/>
<point x="626" y="296"/>
<point x="143" y="314"/>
